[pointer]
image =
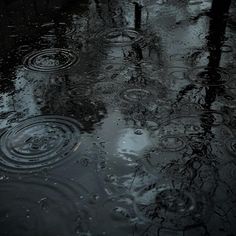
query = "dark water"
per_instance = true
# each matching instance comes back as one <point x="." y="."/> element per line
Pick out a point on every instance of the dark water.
<point x="117" y="118"/>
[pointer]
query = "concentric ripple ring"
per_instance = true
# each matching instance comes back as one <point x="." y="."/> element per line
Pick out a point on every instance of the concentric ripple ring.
<point x="50" y="60"/>
<point x="207" y="76"/>
<point x="177" y="206"/>
<point x="38" y="142"/>
<point x="121" y="37"/>
<point x="62" y="28"/>
<point x="135" y="94"/>
<point x="172" y="143"/>
<point x="231" y="145"/>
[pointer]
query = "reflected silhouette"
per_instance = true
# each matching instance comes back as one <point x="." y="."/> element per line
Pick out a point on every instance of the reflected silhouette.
<point x="71" y="98"/>
<point x="216" y="38"/>
<point x="138" y="16"/>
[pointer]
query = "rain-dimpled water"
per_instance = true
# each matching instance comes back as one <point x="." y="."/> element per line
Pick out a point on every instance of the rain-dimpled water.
<point x="117" y="117"/>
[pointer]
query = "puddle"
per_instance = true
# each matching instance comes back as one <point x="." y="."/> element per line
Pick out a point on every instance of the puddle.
<point x="119" y="112"/>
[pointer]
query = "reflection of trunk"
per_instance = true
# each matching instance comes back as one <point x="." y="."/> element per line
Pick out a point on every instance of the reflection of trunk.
<point x="138" y="16"/>
<point x="215" y="42"/>
<point x="217" y="30"/>
<point x="220" y="8"/>
<point x="138" y="51"/>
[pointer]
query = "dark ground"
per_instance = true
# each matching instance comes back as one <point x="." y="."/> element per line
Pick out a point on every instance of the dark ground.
<point x="117" y="118"/>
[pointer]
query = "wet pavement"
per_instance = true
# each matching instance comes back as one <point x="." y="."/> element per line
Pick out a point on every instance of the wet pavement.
<point x="117" y="118"/>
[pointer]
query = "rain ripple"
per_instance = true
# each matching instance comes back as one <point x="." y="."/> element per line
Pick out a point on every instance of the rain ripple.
<point x="50" y="60"/>
<point x="207" y="76"/>
<point x="38" y="142"/>
<point x="171" y="205"/>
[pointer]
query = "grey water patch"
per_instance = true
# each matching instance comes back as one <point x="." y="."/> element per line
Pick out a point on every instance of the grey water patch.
<point x="42" y="211"/>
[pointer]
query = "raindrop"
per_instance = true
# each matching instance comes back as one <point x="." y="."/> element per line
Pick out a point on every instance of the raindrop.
<point x="215" y="118"/>
<point x="231" y="145"/>
<point x="135" y="95"/>
<point x="193" y="125"/>
<point x="50" y="60"/>
<point x="226" y="49"/>
<point x="195" y="2"/>
<point x="121" y="37"/>
<point x="38" y="142"/>
<point x="138" y="132"/>
<point x="105" y="88"/>
<point x="52" y="28"/>
<point x="171" y="143"/>
<point x="79" y="90"/>
<point x="171" y="205"/>
<point x="207" y="76"/>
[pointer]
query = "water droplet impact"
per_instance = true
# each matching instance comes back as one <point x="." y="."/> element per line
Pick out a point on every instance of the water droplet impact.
<point x="138" y="132"/>
<point x="104" y="88"/>
<point x="193" y="126"/>
<point x="231" y="145"/>
<point x="52" y="29"/>
<point x="38" y="142"/>
<point x="214" y="118"/>
<point x="171" y="143"/>
<point x="195" y="2"/>
<point x="135" y="95"/>
<point x="170" y="205"/>
<point x="226" y="49"/>
<point x="79" y="90"/>
<point x="50" y="60"/>
<point x="121" y="37"/>
<point x="188" y="108"/>
<point x="207" y="76"/>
